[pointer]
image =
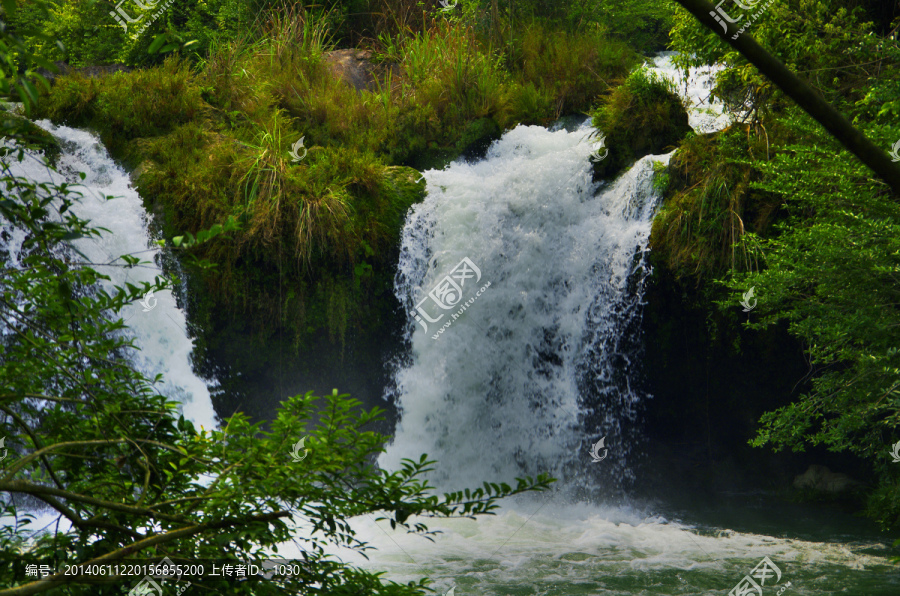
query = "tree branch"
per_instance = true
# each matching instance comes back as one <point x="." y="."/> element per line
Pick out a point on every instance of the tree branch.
<point x="876" y="158"/>
<point x="40" y="452"/>
<point x="21" y="486"/>
<point x="34" y="441"/>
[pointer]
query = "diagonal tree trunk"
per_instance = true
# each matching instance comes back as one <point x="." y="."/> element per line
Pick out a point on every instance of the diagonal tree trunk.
<point x="806" y="97"/>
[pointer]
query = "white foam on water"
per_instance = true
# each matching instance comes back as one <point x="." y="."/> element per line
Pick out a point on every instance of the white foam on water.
<point x="589" y="549"/>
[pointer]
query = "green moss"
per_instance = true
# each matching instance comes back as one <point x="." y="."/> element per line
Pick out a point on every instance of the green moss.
<point x="710" y="214"/>
<point x="29" y="135"/>
<point x="124" y="106"/>
<point x="643" y="116"/>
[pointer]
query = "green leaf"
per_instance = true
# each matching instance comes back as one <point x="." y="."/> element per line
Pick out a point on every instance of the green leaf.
<point x="157" y="43"/>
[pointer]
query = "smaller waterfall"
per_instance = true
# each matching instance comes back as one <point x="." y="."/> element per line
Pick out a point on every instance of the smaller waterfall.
<point x="158" y="325"/>
<point x="704" y="114"/>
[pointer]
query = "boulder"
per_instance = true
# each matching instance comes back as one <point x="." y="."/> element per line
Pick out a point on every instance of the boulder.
<point x="821" y="479"/>
<point x="355" y="67"/>
<point x="643" y="116"/>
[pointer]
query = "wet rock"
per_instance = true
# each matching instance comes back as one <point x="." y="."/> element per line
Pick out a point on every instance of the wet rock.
<point x="29" y="134"/>
<point x="821" y="479"/>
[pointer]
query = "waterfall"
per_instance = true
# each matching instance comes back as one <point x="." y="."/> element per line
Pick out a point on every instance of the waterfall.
<point x="158" y="325"/>
<point x="524" y="281"/>
<point x="530" y="373"/>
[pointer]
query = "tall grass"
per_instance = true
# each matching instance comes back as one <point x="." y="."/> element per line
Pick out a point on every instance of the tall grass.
<point x="571" y="69"/>
<point x="452" y="71"/>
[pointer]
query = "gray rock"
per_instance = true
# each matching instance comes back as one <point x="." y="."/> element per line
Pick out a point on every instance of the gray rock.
<point x="821" y="479"/>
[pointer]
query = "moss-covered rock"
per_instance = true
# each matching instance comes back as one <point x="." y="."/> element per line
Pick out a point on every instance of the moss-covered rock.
<point x="643" y="116"/>
<point x="29" y="135"/>
<point x="710" y="204"/>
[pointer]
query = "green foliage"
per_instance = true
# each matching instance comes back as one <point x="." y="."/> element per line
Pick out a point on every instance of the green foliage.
<point x="812" y="37"/>
<point x="86" y="34"/>
<point x="643" y="25"/>
<point x="777" y="205"/>
<point x="18" y="59"/>
<point x="570" y="70"/>
<point x="832" y="274"/>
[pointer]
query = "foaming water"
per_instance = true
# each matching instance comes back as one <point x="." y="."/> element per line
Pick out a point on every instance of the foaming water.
<point x="158" y="326"/>
<point x="528" y="375"/>
<point x="569" y="550"/>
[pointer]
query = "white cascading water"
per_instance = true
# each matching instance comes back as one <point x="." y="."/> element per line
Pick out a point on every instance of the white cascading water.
<point x="159" y="328"/>
<point x="507" y="389"/>
<point x="704" y="114"/>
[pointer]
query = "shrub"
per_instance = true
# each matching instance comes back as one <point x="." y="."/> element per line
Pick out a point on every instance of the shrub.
<point x="642" y="116"/>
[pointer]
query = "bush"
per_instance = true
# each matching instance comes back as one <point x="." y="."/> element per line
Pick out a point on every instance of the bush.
<point x="643" y="116"/>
